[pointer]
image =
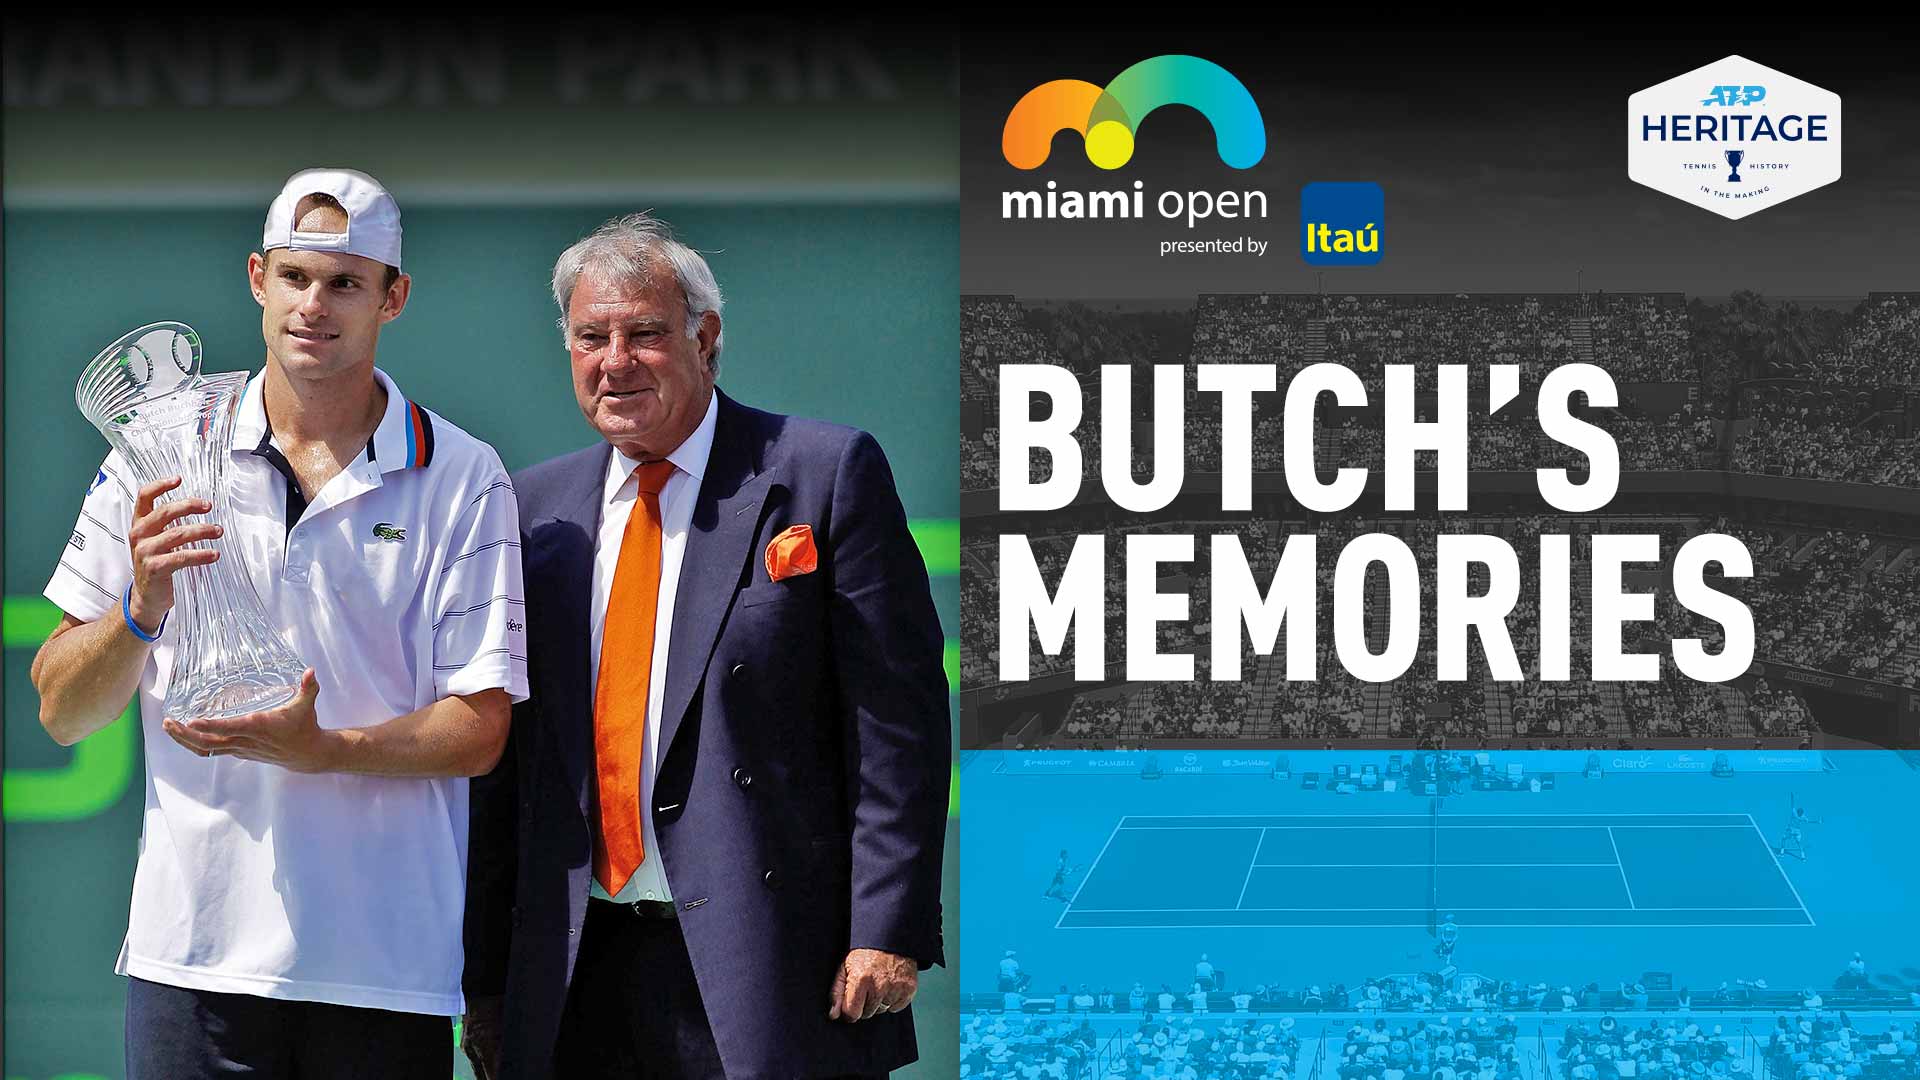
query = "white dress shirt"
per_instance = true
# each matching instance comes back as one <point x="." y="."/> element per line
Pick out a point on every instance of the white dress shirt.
<point x="649" y="882"/>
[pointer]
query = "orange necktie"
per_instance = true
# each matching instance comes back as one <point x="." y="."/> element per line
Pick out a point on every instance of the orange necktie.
<point x="620" y="693"/>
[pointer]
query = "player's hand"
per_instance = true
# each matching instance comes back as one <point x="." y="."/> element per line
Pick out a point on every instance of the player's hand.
<point x="871" y="982"/>
<point x="289" y="736"/>
<point x="158" y="549"/>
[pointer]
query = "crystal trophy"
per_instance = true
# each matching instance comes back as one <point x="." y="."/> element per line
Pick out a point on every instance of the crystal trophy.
<point x="147" y="395"/>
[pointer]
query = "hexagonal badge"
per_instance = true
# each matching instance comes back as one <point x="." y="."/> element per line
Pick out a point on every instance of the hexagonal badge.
<point x="1734" y="137"/>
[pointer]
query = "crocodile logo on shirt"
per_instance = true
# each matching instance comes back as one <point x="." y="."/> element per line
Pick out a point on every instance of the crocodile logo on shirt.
<point x="386" y="531"/>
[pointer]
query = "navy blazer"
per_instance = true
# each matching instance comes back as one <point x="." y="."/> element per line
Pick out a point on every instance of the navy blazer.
<point x="800" y="798"/>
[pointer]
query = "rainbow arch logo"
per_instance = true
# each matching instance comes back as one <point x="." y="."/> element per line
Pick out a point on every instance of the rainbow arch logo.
<point x="1108" y="116"/>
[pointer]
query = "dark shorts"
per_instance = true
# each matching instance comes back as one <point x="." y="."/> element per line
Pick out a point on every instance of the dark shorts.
<point x="178" y="1034"/>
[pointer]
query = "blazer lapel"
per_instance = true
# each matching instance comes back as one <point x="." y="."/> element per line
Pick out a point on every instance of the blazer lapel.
<point x="726" y="518"/>
<point x="560" y="566"/>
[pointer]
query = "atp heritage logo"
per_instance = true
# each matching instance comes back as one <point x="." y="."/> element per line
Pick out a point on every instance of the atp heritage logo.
<point x="1107" y="117"/>
<point x="1734" y="137"/>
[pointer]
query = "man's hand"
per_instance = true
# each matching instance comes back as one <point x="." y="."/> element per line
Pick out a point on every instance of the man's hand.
<point x="289" y="736"/>
<point x="157" y="544"/>
<point x="480" y="1035"/>
<point x="871" y="982"/>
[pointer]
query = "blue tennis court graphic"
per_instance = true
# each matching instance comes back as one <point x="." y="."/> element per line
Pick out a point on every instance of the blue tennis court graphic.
<point x="1386" y="870"/>
<point x="1782" y="869"/>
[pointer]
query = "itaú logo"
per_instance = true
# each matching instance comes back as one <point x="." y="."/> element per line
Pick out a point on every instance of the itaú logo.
<point x="1107" y="117"/>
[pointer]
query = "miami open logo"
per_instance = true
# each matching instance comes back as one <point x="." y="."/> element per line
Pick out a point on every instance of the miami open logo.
<point x="1108" y="117"/>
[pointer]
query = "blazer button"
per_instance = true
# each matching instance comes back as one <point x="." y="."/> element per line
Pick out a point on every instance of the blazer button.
<point x="771" y="879"/>
<point x="743" y="778"/>
<point x="739" y="670"/>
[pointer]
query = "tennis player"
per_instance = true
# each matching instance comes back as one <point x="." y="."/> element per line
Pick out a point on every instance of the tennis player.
<point x="297" y="903"/>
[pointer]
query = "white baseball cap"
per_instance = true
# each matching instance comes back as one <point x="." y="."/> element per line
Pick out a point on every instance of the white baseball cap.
<point x="373" y="218"/>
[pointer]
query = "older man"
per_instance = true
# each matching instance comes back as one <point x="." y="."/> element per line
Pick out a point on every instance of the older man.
<point x="717" y="849"/>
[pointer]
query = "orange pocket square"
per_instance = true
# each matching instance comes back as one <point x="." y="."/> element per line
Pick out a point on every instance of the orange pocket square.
<point x="791" y="553"/>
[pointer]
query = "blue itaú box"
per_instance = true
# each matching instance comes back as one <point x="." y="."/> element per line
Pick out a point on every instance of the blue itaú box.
<point x="1341" y="223"/>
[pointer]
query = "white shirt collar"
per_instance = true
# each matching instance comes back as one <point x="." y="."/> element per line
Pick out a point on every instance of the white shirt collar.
<point x="689" y="457"/>
<point x="398" y="442"/>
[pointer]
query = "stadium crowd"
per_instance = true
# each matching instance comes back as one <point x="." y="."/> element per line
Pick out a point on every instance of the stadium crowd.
<point x="1434" y="1026"/>
<point x="1818" y="1045"/>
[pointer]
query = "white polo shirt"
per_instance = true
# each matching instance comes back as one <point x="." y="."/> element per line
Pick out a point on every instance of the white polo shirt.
<point x="399" y="585"/>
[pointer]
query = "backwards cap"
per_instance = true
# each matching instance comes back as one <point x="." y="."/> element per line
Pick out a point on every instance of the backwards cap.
<point x="373" y="218"/>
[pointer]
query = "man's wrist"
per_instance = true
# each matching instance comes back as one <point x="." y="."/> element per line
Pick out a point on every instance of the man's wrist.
<point x="336" y="751"/>
<point x="145" y="624"/>
<point x="919" y="956"/>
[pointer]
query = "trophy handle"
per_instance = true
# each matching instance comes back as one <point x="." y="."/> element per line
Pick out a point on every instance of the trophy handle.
<point x="143" y="366"/>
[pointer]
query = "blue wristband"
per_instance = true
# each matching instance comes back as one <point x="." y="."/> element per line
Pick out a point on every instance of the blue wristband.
<point x="126" y="612"/>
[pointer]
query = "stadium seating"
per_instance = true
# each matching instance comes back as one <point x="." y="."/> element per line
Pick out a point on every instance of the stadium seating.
<point x="1432" y="1027"/>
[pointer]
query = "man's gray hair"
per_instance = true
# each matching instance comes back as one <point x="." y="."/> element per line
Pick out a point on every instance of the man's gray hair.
<point x="628" y="250"/>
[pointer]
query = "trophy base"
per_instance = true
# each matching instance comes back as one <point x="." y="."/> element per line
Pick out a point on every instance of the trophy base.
<point x="235" y="695"/>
